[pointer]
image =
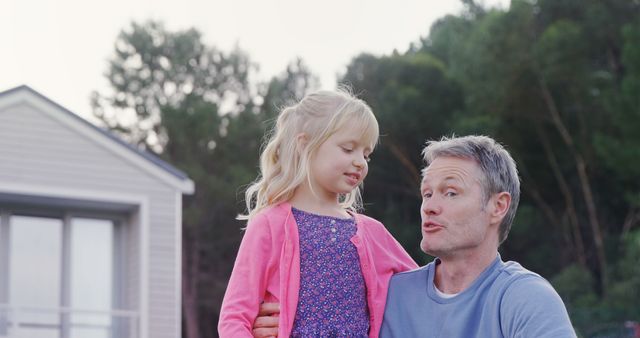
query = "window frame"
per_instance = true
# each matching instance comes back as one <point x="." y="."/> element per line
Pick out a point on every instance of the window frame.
<point x="119" y="301"/>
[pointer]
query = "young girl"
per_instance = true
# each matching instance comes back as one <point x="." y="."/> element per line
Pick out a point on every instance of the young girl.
<point x="305" y="246"/>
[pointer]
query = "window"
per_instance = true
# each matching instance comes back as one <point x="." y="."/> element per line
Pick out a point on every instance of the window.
<point x="92" y="284"/>
<point x="35" y="268"/>
<point x="61" y="275"/>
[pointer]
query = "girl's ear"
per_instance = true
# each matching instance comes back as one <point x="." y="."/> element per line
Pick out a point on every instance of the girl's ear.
<point x="301" y="141"/>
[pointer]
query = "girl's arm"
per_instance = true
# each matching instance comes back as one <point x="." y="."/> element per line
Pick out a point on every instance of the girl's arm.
<point x="248" y="282"/>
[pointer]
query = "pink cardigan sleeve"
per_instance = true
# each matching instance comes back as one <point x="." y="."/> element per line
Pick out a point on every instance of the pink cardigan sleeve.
<point x="389" y="258"/>
<point x="248" y="282"/>
<point x="400" y="259"/>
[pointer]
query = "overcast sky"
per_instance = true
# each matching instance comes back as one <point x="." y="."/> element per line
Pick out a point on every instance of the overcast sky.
<point x="61" y="47"/>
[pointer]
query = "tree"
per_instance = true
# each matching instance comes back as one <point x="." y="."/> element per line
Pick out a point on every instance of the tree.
<point x="543" y="109"/>
<point x="620" y="146"/>
<point x="412" y="99"/>
<point x="196" y="108"/>
<point x="154" y="68"/>
<point x="557" y="82"/>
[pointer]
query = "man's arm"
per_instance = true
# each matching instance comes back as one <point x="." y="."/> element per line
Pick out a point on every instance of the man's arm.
<point x="266" y="324"/>
<point x="532" y="308"/>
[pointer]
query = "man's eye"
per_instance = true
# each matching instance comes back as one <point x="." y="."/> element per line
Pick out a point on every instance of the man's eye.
<point x="427" y="195"/>
<point x="450" y="193"/>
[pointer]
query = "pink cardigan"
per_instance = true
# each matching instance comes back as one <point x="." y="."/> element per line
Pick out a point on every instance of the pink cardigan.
<point x="267" y="268"/>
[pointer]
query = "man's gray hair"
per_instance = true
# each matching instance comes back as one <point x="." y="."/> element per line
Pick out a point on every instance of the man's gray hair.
<point x="495" y="162"/>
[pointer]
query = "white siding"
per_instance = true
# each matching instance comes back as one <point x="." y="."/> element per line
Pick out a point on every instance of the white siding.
<point x="38" y="150"/>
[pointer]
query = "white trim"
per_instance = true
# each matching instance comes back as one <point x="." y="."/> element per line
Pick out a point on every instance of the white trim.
<point x="65" y="273"/>
<point x="144" y="269"/>
<point x="70" y="193"/>
<point x="141" y="201"/>
<point x="186" y="186"/>
<point x="178" y="245"/>
<point x="66" y="309"/>
<point x="5" y="250"/>
<point x="7" y="309"/>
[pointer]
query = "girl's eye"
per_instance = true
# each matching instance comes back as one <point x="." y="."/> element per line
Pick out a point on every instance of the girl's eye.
<point x="347" y="150"/>
<point x="367" y="158"/>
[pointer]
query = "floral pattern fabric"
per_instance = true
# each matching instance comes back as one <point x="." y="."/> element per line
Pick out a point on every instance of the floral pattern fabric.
<point x="332" y="300"/>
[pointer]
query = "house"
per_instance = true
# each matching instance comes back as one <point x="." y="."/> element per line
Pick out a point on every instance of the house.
<point x="90" y="228"/>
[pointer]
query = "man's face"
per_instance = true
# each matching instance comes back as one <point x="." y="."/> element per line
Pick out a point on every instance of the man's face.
<point x="455" y="221"/>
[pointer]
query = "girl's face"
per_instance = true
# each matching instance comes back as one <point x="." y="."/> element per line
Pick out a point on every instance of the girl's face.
<point x="339" y="165"/>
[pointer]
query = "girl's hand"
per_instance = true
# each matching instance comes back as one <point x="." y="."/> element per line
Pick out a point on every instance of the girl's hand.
<point x="266" y="324"/>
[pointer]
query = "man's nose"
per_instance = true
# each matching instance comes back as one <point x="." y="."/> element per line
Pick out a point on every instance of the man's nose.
<point x="431" y="206"/>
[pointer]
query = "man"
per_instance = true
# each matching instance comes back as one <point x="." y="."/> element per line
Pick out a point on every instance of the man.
<point x="470" y="192"/>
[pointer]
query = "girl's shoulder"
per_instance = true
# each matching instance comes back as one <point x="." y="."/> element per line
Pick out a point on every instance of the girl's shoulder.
<point x="280" y="210"/>
<point x="274" y="215"/>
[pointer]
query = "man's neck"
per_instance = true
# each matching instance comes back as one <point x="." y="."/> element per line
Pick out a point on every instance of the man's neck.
<point x="455" y="274"/>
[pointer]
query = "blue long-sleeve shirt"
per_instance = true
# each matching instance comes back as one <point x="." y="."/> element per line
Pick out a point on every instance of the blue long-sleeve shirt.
<point x="506" y="300"/>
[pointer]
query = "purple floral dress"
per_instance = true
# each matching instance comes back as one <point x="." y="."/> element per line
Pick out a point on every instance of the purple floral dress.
<point x="332" y="301"/>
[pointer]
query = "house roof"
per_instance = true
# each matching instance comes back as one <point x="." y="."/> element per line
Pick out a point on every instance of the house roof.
<point x="171" y="174"/>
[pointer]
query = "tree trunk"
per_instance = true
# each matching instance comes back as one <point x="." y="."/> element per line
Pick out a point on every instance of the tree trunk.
<point x="587" y="194"/>
<point x="633" y="216"/>
<point x="190" y="259"/>
<point x="413" y="176"/>
<point x="566" y="193"/>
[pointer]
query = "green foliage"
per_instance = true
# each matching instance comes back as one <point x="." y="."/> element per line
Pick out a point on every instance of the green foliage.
<point x="625" y="293"/>
<point x="560" y="44"/>
<point x="620" y="146"/>
<point x="589" y="312"/>
<point x="575" y="285"/>
<point x="154" y="68"/>
<point x="529" y="230"/>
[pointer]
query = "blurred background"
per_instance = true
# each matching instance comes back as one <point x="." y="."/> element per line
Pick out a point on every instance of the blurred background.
<point x="556" y="81"/>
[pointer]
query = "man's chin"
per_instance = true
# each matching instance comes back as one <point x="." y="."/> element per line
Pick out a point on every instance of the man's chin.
<point x="429" y="249"/>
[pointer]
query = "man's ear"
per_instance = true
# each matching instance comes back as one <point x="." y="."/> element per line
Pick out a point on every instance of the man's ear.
<point x="499" y="206"/>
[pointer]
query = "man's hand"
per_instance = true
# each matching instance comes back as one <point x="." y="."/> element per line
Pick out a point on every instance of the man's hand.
<point x="266" y="324"/>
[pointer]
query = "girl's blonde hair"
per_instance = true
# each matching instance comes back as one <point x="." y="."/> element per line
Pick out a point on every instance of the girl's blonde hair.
<point x="283" y="166"/>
